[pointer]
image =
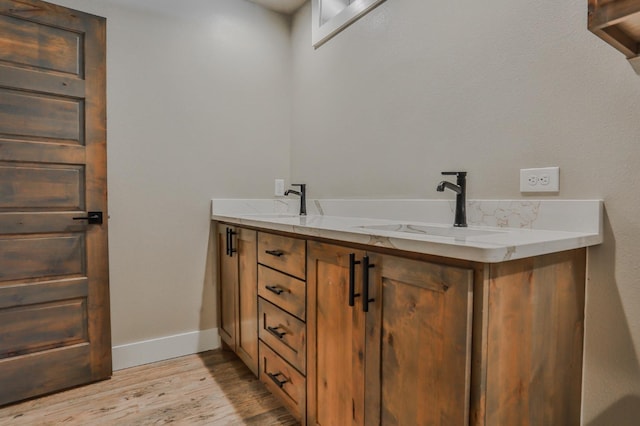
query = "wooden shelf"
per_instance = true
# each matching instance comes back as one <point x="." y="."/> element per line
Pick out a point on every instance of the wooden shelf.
<point x="618" y="23"/>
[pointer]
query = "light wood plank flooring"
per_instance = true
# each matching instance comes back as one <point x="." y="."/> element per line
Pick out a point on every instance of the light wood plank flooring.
<point x="211" y="388"/>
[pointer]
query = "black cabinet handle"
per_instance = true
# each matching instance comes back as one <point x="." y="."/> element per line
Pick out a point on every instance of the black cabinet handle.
<point x="274" y="377"/>
<point x="276" y="253"/>
<point x="365" y="283"/>
<point x="275" y="332"/>
<point x="274" y="289"/>
<point x="352" y="278"/>
<point x="230" y="249"/>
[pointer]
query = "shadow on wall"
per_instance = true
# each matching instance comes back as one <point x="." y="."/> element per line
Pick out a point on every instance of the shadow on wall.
<point x="625" y="412"/>
<point x="612" y="371"/>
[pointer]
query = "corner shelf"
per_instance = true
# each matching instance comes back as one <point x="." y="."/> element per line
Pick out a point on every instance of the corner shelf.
<point x="618" y="23"/>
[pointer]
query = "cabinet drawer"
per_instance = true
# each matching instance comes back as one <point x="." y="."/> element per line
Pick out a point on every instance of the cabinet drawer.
<point x="285" y="254"/>
<point x="283" y="381"/>
<point x="285" y="333"/>
<point x="282" y="290"/>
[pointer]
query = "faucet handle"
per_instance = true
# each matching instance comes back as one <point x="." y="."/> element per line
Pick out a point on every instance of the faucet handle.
<point x="454" y="173"/>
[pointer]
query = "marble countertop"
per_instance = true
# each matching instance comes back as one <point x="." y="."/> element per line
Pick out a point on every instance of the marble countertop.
<point x="499" y="230"/>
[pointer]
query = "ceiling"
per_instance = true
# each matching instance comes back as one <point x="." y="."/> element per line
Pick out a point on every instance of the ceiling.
<point x="282" y="6"/>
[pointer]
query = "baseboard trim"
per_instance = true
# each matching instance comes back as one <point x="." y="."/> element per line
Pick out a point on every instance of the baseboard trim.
<point x="160" y="349"/>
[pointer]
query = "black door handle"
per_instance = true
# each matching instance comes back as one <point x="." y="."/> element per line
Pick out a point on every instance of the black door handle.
<point x="230" y="249"/>
<point x="276" y="253"/>
<point x="352" y="278"/>
<point x="92" y="218"/>
<point x="365" y="283"/>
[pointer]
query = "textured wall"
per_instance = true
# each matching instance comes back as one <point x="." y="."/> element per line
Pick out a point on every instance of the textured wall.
<point x="417" y="87"/>
<point x="198" y="107"/>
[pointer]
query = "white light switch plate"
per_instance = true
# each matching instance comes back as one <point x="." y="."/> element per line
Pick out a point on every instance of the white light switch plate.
<point x="546" y="179"/>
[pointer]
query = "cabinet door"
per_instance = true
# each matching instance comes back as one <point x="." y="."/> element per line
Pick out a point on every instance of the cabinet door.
<point x="418" y="343"/>
<point x="247" y="300"/>
<point x="335" y="367"/>
<point x="227" y="285"/>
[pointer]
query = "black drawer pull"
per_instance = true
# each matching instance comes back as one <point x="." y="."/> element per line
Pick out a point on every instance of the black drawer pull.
<point x="274" y="289"/>
<point x="275" y="379"/>
<point x="276" y="253"/>
<point x="275" y="332"/>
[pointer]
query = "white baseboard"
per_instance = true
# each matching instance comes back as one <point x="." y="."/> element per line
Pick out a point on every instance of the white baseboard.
<point x="154" y="350"/>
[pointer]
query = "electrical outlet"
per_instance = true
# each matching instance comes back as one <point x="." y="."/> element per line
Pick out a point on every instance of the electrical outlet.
<point x="279" y="188"/>
<point x="546" y="179"/>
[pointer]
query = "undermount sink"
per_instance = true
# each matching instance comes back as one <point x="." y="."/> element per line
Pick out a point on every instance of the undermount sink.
<point x="440" y="231"/>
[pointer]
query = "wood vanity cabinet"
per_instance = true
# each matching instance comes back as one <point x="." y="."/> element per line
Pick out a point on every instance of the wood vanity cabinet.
<point x="238" y="292"/>
<point x="444" y="342"/>
<point x="436" y="341"/>
<point x="407" y="359"/>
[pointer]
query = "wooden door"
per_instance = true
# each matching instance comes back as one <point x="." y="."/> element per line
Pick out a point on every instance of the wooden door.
<point x="54" y="290"/>
<point x="247" y="302"/>
<point x="238" y="292"/>
<point x="335" y="348"/>
<point x="418" y="353"/>
<point x="227" y="285"/>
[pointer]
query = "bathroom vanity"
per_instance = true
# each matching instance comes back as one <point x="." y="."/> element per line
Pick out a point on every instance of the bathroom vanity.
<point x="353" y="318"/>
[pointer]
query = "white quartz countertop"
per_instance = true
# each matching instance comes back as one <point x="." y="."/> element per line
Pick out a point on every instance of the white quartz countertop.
<point x="499" y="230"/>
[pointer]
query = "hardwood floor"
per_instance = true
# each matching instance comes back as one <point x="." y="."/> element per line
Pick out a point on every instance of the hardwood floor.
<point x="211" y="388"/>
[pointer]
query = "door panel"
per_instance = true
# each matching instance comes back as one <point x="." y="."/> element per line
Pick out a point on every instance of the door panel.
<point x="335" y="370"/>
<point x="41" y="257"/>
<point x="228" y="279"/>
<point x="247" y="308"/>
<point x="419" y="353"/>
<point x="37" y="327"/>
<point x="41" y="116"/>
<point x="42" y="291"/>
<point x="45" y="371"/>
<point x="31" y="44"/>
<point x="36" y="187"/>
<point x="54" y="289"/>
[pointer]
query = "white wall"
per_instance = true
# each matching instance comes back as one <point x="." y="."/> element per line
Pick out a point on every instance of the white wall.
<point x="418" y="87"/>
<point x="198" y="107"/>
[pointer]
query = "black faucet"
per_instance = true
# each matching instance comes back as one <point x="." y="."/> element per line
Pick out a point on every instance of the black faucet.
<point x="460" y="188"/>
<point x="303" y="196"/>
